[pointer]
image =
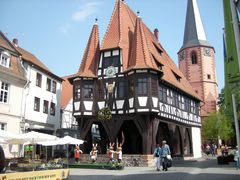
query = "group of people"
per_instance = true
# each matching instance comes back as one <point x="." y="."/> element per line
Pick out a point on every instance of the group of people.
<point x="211" y="149"/>
<point x="163" y="156"/>
<point x="94" y="152"/>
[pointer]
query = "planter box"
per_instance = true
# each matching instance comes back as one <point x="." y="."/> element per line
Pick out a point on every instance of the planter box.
<point x="222" y="160"/>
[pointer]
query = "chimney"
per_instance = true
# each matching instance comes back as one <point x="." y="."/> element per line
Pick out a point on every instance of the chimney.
<point x="156" y="33"/>
<point x="15" y="42"/>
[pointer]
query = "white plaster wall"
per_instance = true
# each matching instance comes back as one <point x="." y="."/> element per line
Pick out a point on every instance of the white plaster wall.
<point x="41" y="92"/>
<point x="13" y="106"/>
<point x="196" y="140"/>
<point x="13" y="126"/>
<point x="88" y="105"/>
<point x="67" y="117"/>
<point x="142" y="101"/>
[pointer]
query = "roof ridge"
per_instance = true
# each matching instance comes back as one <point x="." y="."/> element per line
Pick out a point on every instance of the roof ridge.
<point x="9" y="42"/>
<point x="110" y="22"/>
<point x="120" y="20"/>
<point x="88" y="64"/>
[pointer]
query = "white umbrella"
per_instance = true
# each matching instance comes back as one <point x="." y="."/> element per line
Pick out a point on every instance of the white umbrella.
<point x="63" y="141"/>
<point x="7" y="134"/>
<point x="11" y="138"/>
<point x="70" y="140"/>
<point x="35" y="137"/>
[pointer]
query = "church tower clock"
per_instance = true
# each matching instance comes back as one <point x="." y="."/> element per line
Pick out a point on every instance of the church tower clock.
<point x="197" y="60"/>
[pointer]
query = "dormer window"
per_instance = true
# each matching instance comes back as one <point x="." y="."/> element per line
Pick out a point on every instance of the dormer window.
<point x="111" y="58"/>
<point x="178" y="78"/>
<point x="5" y="59"/>
<point x="159" y="65"/>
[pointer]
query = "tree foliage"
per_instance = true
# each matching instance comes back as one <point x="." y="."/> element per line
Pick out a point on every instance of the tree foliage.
<point x="216" y="126"/>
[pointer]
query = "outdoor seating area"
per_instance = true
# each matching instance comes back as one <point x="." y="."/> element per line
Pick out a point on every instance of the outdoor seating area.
<point x="28" y="159"/>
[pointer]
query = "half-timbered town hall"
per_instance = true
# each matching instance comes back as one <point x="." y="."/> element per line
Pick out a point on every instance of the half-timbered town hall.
<point x="128" y="89"/>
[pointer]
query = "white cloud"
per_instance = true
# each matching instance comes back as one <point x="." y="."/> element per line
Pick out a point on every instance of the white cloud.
<point x="85" y="11"/>
<point x="65" y="28"/>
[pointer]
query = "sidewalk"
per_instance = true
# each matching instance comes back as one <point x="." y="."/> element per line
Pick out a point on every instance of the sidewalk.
<point x="190" y="166"/>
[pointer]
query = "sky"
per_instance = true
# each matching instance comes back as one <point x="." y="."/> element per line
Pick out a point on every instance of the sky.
<point x="57" y="31"/>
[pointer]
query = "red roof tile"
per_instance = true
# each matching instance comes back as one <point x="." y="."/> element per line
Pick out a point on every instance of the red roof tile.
<point x="120" y="34"/>
<point x="5" y="43"/>
<point x="141" y="57"/>
<point x="67" y="91"/>
<point x="29" y="57"/>
<point x="91" y="56"/>
<point x="15" y="69"/>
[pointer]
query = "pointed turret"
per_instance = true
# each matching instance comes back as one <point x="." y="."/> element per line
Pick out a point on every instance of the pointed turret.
<point x="194" y="34"/>
<point x="140" y="54"/>
<point x="89" y="63"/>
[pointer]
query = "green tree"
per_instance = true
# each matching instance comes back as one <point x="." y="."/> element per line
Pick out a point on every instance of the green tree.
<point x="217" y="125"/>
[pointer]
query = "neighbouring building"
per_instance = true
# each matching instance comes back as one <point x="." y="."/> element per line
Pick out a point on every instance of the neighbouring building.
<point x="68" y="125"/>
<point x="132" y="78"/>
<point x="231" y="51"/>
<point x="197" y="60"/>
<point x="12" y="83"/>
<point x="42" y="95"/>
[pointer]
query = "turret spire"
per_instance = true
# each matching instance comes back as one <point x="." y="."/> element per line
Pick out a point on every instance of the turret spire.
<point x="194" y="34"/>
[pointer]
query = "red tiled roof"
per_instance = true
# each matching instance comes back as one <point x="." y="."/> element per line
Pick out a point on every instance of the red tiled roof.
<point x="120" y="34"/>
<point x="67" y="91"/>
<point x="141" y="57"/>
<point x="15" y="69"/>
<point x="5" y="43"/>
<point x="91" y="56"/>
<point x="27" y="56"/>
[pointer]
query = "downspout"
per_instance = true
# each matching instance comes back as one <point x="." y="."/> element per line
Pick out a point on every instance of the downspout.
<point x="23" y="113"/>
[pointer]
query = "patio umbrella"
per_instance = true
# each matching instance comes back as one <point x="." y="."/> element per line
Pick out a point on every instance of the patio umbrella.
<point x="63" y="141"/>
<point x="34" y="137"/>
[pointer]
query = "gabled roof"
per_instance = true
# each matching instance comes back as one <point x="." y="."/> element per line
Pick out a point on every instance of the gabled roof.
<point x="88" y="67"/>
<point x="140" y="57"/>
<point x="120" y="30"/>
<point x="30" y="58"/>
<point x="5" y="43"/>
<point x="67" y="91"/>
<point x="126" y="32"/>
<point x="15" y="70"/>
<point x="194" y="34"/>
<point x="27" y="56"/>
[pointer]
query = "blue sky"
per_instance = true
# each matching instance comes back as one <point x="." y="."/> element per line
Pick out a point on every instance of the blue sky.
<point x="56" y="31"/>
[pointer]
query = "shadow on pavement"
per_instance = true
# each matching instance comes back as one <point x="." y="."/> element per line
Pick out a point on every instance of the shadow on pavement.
<point x="212" y="163"/>
<point x="160" y="175"/>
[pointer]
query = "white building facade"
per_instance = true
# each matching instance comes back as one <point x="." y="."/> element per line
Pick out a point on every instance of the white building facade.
<point x="12" y="84"/>
<point x="42" y="96"/>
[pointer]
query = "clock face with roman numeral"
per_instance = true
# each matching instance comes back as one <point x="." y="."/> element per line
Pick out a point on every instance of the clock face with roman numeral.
<point x="110" y="71"/>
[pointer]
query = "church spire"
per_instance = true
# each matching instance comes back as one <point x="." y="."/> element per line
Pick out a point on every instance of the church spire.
<point x="194" y="34"/>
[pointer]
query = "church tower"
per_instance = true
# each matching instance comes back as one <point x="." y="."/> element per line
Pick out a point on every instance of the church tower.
<point x="197" y="60"/>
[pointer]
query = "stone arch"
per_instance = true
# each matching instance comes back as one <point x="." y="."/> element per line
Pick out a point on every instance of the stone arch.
<point x="187" y="143"/>
<point x="132" y="138"/>
<point x="163" y="133"/>
<point x="177" y="142"/>
<point x="96" y="134"/>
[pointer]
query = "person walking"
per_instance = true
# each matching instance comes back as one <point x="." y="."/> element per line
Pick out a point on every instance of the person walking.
<point x="165" y="152"/>
<point x="157" y="155"/>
